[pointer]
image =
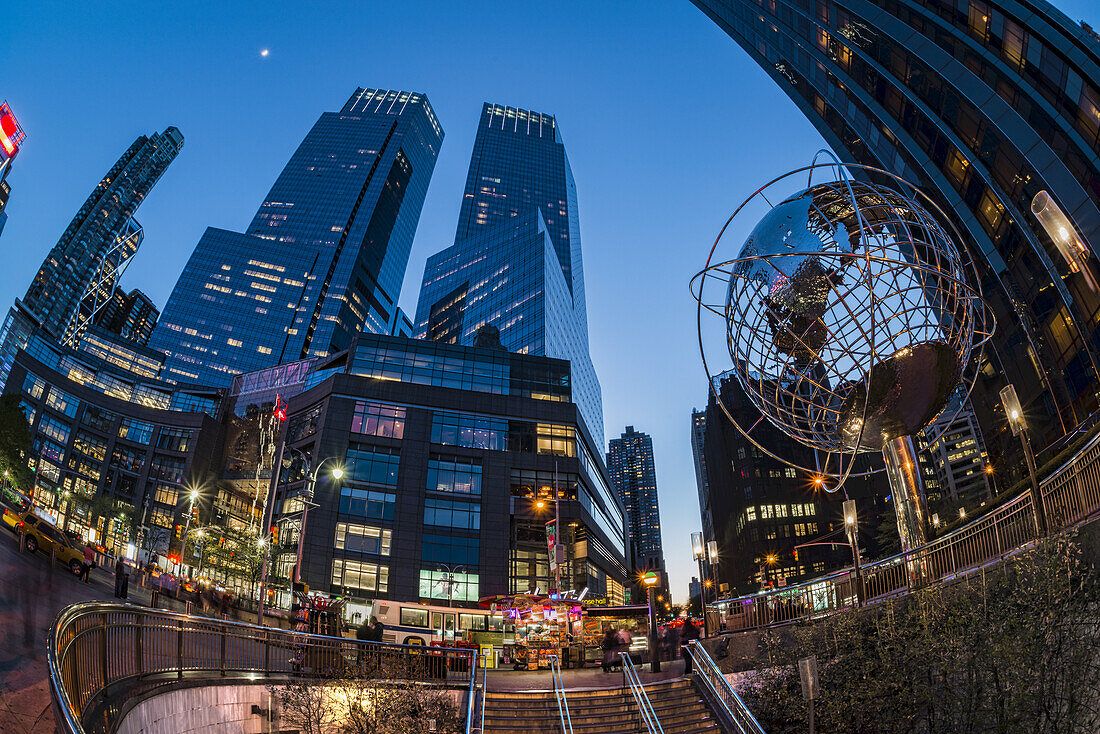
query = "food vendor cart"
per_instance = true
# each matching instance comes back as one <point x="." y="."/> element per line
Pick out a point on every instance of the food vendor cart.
<point x="544" y="627"/>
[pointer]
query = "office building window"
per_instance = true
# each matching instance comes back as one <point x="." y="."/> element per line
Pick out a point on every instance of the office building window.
<point x="174" y="439"/>
<point x="454" y="475"/>
<point x="450" y="586"/>
<point x="452" y="550"/>
<point x="469" y="431"/>
<point x="371" y="465"/>
<point x="135" y="430"/>
<point x="34" y="385"/>
<point x="62" y="402"/>
<point x="452" y="514"/>
<point x="369" y="577"/>
<point x="367" y="503"/>
<point x="363" y="538"/>
<point x="378" y="419"/>
<point x="54" y="429"/>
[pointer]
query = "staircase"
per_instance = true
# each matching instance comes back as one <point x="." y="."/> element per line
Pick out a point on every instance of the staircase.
<point x="605" y="711"/>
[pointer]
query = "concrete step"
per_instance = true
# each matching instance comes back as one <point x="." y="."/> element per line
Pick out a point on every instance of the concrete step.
<point x="679" y="719"/>
<point x="609" y="708"/>
<point x="676" y="703"/>
<point x="554" y="727"/>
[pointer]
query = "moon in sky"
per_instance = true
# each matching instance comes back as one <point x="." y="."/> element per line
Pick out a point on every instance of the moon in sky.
<point x="265" y="52"/>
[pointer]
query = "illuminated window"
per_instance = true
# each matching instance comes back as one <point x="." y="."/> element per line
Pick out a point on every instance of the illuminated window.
<point x="363" y="576"/>
<point x="363" y="538"/>
<point x="378" y="419"/>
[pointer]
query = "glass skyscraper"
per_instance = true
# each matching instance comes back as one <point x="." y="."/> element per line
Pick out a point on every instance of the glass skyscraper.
<point x="982" y="104"/>
<point x="60" y="284"/>
<point x="630" y="465"/>
<point x="325" y="254"/>
<point x="101" y="236"/>
<point x="516" y="262"/>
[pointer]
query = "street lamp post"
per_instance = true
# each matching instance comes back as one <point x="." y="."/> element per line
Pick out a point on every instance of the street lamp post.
<point x="851" y="528"/>
<point x="307" y="502"/>
<point x="650" y="580"/>
<point x="1016" y="420"/>
<point x="187" y="528"/>
<point x="552" y="551"/>
<point x="697" y="552"/>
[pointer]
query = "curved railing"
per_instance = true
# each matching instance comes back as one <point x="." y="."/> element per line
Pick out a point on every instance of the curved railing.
<point x="1070" y="495"/>
<point x="104" y="656"/>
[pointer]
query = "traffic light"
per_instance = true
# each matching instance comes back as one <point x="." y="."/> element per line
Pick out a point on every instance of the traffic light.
<point x="796" y="554"/>
<point x="275" y="534"/>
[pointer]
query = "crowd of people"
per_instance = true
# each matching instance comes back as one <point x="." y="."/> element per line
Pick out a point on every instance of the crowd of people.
<point x="671" y="641"/>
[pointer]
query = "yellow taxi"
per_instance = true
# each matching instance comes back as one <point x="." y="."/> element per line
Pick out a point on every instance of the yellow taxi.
<point x="44" y="536"/>
<point x="14" y="503"/>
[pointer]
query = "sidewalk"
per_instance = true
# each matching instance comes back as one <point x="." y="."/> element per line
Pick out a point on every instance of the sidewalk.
<point x="583" y="679"/>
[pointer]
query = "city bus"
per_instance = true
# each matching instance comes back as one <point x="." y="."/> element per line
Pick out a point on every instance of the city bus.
<point x="413" y="623"/>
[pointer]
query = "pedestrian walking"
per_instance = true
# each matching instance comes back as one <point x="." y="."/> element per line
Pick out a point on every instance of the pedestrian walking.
<point x="609" y="643"/>
<point x="89" y="562"/>
<point x="689" y="633"/>
<point x="120" y="578"/>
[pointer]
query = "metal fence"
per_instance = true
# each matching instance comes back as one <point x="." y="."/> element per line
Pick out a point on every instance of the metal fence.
<point x="101" y="655"/>
<point x="1070" y="495"/>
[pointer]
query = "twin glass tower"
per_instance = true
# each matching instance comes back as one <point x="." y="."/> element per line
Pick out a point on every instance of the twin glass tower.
<point x="516" y="261"/>
<point x="325" y="254"/>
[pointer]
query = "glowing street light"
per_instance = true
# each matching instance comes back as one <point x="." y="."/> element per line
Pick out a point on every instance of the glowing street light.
<point x="851" y="528"/>
<point x="1018" y="424"/>
<point x="698" y="552"/>
<point x="649" y="580"/>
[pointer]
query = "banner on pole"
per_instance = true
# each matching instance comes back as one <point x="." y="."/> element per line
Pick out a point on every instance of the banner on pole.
<point x="552" y="544"/>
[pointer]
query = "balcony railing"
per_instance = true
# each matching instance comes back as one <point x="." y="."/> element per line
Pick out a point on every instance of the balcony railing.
<point x="1070" y="495"/>
<point x="103" y="655"/>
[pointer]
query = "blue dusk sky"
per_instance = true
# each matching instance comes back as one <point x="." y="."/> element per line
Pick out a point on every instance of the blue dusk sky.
<point x="668" y="125"/>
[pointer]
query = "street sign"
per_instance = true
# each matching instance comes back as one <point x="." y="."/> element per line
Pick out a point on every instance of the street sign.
<point x="807" y="671"/>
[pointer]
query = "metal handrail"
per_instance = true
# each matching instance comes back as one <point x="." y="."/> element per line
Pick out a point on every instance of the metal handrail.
<point x="645" y="708"/>
<point x="99" y="649"/>
<point x="559" y="695"/>
<point x="484" y="692"/>
<point x="707" y="673"/>
<point x="470" y="695"/>
<point x="1069" y="495"/>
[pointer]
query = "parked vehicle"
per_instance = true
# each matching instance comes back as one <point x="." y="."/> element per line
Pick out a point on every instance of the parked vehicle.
<point x="43" y="535"/>
<point x="14" y="503"/>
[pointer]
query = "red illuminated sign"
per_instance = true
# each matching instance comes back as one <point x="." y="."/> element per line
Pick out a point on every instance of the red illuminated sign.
<point x="280" y="408"/>
<point x="11" y="135"/>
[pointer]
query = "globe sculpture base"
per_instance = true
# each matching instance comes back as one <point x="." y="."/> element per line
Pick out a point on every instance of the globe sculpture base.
<point x="909" y="502"/>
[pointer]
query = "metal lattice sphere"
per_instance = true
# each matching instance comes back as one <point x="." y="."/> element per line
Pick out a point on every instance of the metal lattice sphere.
<point x="848" y="314"/>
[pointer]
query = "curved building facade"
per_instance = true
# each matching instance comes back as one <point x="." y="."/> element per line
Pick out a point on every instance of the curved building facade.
<point x="983" y="105"/>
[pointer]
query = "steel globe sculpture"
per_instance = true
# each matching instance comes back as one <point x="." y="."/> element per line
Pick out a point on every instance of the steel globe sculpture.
<point x="850" y="320"/>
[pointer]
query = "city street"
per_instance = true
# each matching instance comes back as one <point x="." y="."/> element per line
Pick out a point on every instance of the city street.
<point x="31" y="594"/>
